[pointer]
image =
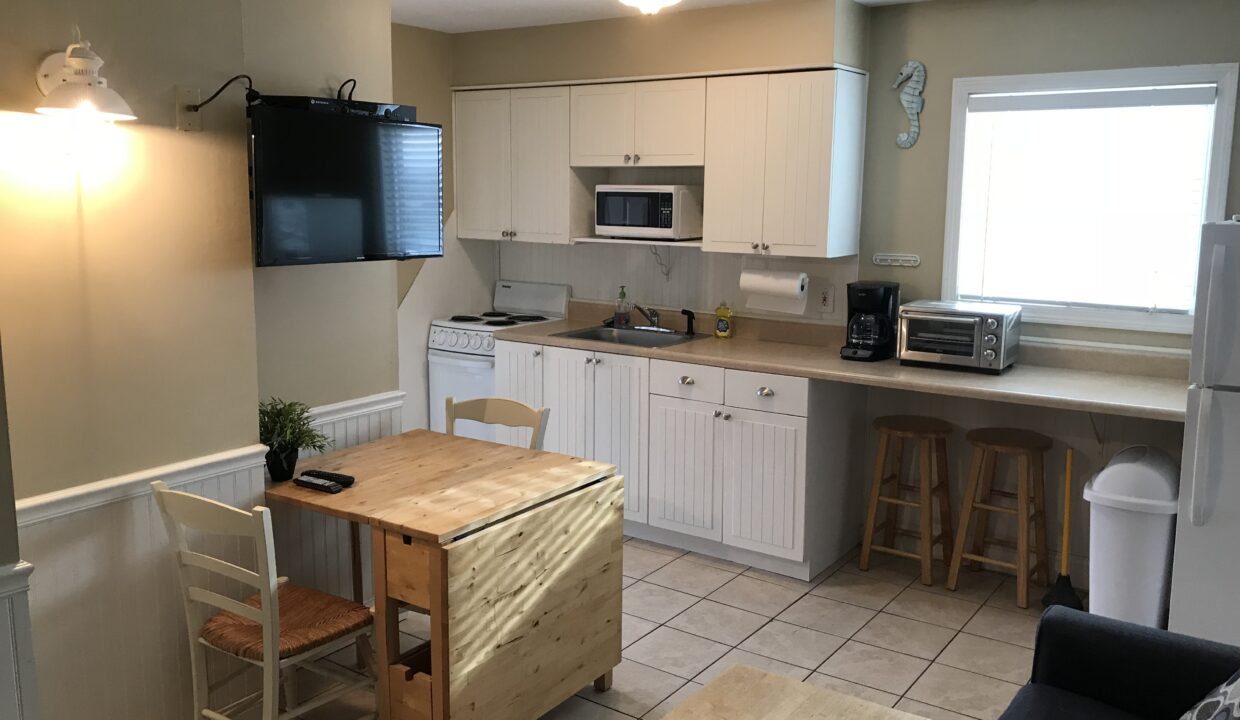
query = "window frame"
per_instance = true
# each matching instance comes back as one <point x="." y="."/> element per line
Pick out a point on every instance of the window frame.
<point x="1223" y="75"/>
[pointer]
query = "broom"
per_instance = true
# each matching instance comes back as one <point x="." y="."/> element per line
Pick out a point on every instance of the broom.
<point x="1062" y="592"/>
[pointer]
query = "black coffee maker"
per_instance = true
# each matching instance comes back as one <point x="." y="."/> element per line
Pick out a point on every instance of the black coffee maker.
<point x="873" y="322"/>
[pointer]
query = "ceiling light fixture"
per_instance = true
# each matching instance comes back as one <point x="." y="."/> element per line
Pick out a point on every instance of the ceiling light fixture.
<point x="72" y="84"/>
<point x="650" y="7"/>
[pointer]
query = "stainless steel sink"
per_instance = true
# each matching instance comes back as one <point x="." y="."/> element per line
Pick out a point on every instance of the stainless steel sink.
<point x="641" y="337"/>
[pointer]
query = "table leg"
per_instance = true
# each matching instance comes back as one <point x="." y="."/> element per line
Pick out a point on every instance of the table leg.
<point x="602" y="683"/>
<point x="359" y="592"/>
<point x="386" y="633"/>
<point x="439" y="635"/>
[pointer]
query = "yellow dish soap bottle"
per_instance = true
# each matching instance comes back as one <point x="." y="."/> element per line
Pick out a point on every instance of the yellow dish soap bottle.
<point x="723" y="321"/>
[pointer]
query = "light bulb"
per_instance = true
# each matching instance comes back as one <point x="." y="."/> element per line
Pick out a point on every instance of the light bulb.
<point x="649" y="7"/>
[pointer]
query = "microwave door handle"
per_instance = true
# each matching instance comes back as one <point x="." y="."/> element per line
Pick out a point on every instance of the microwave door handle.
<point x="1202" y="486"/>
<point x="1214" y="284"/>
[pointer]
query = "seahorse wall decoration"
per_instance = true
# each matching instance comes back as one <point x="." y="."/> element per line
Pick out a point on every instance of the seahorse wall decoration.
<point x="913" y="77"/>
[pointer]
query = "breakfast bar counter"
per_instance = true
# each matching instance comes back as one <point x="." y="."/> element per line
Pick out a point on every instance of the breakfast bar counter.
<point x="1111" y="393"/>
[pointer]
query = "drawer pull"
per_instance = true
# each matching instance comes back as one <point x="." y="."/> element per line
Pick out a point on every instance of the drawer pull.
<point x="765" y="392"/>
<point x="727" y="416"/>
<point x="537" y="353"/>
<point x="718" y="413"/>
<point x="686" y="380"/>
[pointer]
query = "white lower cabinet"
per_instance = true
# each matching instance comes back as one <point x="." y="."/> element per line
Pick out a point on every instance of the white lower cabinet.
<point x="621" y="407"/>
<point x="568" y="390"/>
<point x="685" y="491"/>
<point x="518" y="376"/>
<point x="763" y="472"/>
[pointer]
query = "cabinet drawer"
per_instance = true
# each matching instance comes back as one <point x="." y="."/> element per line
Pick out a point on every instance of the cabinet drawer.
<point x="683" y="380"/>
<point x="766" y="392"/>
<point x="408" y="570"/>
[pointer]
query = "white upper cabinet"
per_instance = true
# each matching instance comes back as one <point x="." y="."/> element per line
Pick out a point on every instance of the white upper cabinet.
<point x="809" y="174"/>
<point x="659" y="123"/>
<point x="482" y="153"/>
<point x="512" y="171"/>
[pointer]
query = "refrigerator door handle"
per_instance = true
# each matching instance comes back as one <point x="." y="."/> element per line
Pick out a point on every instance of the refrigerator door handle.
<point x="1203" y="486"/>
<point x="1214" y="284"/>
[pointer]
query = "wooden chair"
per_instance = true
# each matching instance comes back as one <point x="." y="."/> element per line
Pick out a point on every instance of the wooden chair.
<point x="1028" y="506"/>
<point x="281" y="628"/>
<point x="931" y="435"/>
<point x="499" y="411"/>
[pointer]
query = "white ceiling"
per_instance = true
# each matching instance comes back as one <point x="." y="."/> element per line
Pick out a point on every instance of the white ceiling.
<point x="467" y="15"/>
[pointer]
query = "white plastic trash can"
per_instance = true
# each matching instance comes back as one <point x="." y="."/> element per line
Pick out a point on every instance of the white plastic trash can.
<point x="1132" y="508"/>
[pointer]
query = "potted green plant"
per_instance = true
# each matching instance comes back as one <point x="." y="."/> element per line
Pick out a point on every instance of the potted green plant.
<point x="285" y="428"/>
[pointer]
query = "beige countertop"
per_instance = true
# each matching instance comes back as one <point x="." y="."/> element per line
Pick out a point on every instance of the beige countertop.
<point x="1153" y="398"/>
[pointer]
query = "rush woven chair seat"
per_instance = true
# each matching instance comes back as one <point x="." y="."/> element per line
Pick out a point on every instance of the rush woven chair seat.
<point x="308" y="619"/>
<point x="930" y="435"/>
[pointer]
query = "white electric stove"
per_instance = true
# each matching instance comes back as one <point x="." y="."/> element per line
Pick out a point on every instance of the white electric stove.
<point x="461" y="348"/>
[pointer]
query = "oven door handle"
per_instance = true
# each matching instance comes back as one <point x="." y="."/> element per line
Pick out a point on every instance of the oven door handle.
<point x="940" y="318"/>
<point x="443" y="357"/>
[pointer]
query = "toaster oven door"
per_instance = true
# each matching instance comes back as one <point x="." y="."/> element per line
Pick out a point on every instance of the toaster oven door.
<point x="941" y="339"/>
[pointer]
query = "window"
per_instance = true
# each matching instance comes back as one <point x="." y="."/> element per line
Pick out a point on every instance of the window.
<point x="1081" y="195"/>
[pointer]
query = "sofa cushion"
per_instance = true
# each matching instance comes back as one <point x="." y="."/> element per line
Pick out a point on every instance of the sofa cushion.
<point x="1223" y="703"/>
<point x="1044" y="702"/>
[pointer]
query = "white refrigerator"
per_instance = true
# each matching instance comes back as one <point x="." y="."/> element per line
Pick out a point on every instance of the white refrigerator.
<point x="1205" y="583"/>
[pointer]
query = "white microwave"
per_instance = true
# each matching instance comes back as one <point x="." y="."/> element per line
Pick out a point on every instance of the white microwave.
<point x="652" y="212"/>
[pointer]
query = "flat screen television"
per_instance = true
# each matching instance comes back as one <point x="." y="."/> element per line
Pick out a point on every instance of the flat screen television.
<point x="340" y="181"/>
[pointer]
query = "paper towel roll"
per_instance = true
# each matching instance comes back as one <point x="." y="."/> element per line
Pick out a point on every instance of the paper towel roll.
<point x="775" y="290"/>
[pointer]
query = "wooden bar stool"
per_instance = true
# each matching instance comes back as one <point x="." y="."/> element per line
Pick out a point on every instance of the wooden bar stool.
<point x="930" y="435"/>
<point x="1026" y="447"/>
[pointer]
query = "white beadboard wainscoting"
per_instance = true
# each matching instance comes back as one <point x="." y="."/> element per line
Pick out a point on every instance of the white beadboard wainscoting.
<point x="18" y="692"/>
<point x="109" y="630"/>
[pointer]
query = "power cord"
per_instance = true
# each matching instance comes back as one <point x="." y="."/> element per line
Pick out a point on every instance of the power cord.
<point x="352" y="87"/>
<point x="250" y="93"/>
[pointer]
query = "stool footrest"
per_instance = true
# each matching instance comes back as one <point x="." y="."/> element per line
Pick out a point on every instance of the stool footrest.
<point x="1005" y="494"/>
<point x="1000" y="542"/>
<point x="994" y="508"/>
<point x="990" y="561"/>
<point x="894" y="551"/>
<point x="898" y="501"/>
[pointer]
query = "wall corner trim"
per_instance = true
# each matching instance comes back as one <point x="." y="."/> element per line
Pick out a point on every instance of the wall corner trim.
<point x="15" y="578"/>
<point x="357" y="407"/>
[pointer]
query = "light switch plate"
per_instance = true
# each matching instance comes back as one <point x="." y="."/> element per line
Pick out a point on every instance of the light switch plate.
<point x="186" y="119"/>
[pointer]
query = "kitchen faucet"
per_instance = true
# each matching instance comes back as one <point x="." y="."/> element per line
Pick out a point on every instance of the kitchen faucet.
<point x="652" y="316"/>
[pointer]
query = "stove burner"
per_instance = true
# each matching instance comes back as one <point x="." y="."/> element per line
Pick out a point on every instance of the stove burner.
<point x="466" y="318"/>
<point x="528" y="318"/>
<point x="501" y="323"/>
<point x="495" y="314"/>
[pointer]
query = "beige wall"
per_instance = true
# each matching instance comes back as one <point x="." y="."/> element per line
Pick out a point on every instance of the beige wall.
<point x="906" y="190"/>
<point x="422" y="76"/>
<point x="776" y="32"/>
<point x="8" y="515"/>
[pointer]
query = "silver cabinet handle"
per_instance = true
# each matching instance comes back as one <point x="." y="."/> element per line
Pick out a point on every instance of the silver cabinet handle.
<point x="686" y="380"/>
<point x="755" y="246"/>
<point x="512" y="233"/>
<point x="637" y="158"/>
<point x="765" y="392"/>
<point x="727" y="416"/>
<point x="764" y="245"/>
<point x="537" y="353"/>
<point x="589" y="361"/>
<point x="503" y="233"/>
<point x="628" y="158"/>
<point x="718" y="413"/>
<point x="598" y="361"/>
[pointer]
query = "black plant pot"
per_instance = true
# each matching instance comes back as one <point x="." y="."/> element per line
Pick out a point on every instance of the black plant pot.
<point x="281" y="465"/>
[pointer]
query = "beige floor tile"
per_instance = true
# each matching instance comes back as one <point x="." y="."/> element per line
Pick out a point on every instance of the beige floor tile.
<point x="887" y="568"/>
<point x="576" y="708"/>
<point x="715" y="562"/>
<point x="639" y="563"/>
<point x="911" y="637"/>
<point x="841" y="685"/>
<point x="792" y="644"/>
<point x="884" y="670"/>
<point x="636" y="689"/>
<point x="929" y="712"/>
<point x="633" y="628"/>
<point x="784" y="581"/>
<point x="744" y="657"/>
<point x="755" y="595"/>
<point x="972" y="585"/>
<point x="691" y="577"/>
<point x="655" y="603"/>
<point x="655" y="547"/>
<point x="1011" y="627"/>
<point x="963" y="692"/>
<point x="857" y="590"/>
<point x="989" y="657"/>
<point x="351" y="705"/>
<point x="827" y="615"/>
<point x="416" y="624"/>
<point x="676" y="652"/>
<point x="626" y="581"/>
<point x="936" y="609"/>
<point x="718" y="622"/>
<point x="672" y="702"/>
<point x="1004" y="598"/>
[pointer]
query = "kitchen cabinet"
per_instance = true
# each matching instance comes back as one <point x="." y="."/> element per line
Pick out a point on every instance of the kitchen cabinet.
<point x="685" y="490"/>
<point x="518" y="376"/>
<point x="804" y="160"/>
<point x="646" y="124"/>
<point x="621" y="409"/>
<point x="568" y="389"/>
<point x="513" y="180"/>
<point x="763" y="482"/>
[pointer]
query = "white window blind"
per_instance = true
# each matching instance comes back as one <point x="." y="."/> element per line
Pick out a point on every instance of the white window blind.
<point x="411" y="164"/>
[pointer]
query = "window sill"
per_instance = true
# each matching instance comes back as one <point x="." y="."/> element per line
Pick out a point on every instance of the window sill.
<point x="1109" y="319"/>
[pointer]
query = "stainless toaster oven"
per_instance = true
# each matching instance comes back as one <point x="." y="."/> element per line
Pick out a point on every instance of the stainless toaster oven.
<point x="973" y="335"/>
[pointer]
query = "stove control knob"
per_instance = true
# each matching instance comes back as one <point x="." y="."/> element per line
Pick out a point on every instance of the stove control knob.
<point x="988" y="354"/>
<point x="990" y="340"/>
<point x="475" y="342"/>
<point x="992" y="324"/>
<point x="452" y="337"/>
<point x="489" y="344"/>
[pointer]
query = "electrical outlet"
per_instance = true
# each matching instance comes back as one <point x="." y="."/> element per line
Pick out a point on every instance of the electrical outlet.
<point x="188" y="120"/>
<point x="827" y="302"/>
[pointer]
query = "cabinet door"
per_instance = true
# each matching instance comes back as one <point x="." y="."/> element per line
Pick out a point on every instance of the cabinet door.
<point x="670" y="123"/>
<point x="568" y="391"/>
<point x="621" y="404"/>
<point x="540" y="171"/>
<point x="602" y="124"/>
<point x="518" y="376"/>
<point x="735" y="175"/>
<point x="482" y="156"/>
<point x="800" y="115"/>
<point x="763" y="469"/>
<point x="685" y="492"/>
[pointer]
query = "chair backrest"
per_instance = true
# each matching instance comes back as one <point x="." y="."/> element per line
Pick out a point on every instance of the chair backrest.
<point x="499" y="411"/>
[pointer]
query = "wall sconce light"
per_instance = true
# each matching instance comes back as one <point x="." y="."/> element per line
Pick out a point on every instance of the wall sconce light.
<point x="649" y="7"/>
<point x="72" y="84"/>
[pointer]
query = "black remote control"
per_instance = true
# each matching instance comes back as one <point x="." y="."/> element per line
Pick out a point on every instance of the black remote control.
<point x="319" y="484"/>
<point x="340" y="478"/>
